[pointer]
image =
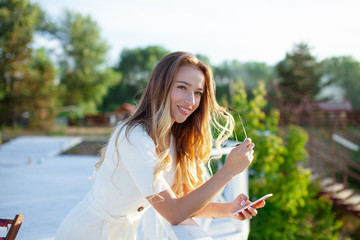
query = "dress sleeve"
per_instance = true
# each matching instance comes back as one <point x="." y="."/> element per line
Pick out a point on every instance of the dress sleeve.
<point x="137" y="152"/>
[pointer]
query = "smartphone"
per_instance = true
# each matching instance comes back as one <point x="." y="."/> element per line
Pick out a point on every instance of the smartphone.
<point x="255" y="202"/>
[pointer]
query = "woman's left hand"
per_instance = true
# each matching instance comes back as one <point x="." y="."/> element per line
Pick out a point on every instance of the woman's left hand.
<point x="241" y="201"/>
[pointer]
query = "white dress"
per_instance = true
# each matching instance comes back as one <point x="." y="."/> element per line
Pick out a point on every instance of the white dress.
<point x="117" y="200"/>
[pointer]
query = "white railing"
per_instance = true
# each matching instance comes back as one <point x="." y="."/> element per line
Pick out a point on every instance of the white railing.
<point x="153" y="226"/>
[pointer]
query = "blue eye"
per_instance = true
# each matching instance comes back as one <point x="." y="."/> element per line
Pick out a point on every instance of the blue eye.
<point x="182" y="87"/>
<point x="199" y="93"/>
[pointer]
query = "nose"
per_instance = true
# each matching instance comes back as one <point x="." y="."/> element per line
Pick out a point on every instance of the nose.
<point x="190" y="99"/>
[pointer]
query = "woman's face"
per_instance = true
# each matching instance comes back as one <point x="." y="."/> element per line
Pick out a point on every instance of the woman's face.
<point x="186" y="93"/>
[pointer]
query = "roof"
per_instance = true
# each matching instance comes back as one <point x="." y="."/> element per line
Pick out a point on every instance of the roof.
<point x="126" y="107"/>
<point x="335" y="105"/>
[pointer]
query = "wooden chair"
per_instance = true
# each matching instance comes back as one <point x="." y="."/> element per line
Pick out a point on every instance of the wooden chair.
<point x="13" y="226"/>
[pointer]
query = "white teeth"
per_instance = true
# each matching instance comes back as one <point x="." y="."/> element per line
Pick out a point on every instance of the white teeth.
<point x="183" y="109"/>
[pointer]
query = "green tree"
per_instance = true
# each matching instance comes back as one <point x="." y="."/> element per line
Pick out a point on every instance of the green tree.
<point x="85" y="76"/>
<point x="299" y="74"/>
<point x="295" y="211"/>
<point x="135" y="65"/>
<point x="205" y="59"/>
<point x="40" y="94"/>
<point x="250" y="73"/>
<point x="345" y="72"/>
<point x="18" y="21"/>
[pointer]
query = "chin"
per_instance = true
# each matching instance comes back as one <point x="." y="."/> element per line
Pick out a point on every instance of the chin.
<point x="180" y="120"/>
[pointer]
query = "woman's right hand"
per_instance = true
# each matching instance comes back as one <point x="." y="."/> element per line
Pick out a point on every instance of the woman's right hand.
<point x="240" y="157"/>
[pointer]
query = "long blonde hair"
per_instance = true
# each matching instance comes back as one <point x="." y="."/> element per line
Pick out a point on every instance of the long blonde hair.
<point x="193" y="137"/>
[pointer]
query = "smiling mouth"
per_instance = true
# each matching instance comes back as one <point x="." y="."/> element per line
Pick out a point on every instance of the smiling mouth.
<point x="184" y="110"/>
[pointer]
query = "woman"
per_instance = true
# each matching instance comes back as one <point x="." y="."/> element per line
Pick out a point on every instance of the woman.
<point x="157" y="157"/>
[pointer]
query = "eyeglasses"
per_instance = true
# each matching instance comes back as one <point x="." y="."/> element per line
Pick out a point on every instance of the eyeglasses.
<point x="232" y="110"/>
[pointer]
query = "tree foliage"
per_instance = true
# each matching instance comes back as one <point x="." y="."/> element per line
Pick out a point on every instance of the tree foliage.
<point x="229" y="72"/>
<point x="85" y="77"/>
<point x="300" y="73"/>
<point x="18" y="21"/>
<point x="345" y="72"/>
<point x="295" y="211"/>
<point x="135" y="65"/>
<point x="40" y="94"/>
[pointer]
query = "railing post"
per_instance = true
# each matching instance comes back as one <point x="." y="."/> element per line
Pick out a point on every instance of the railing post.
<point x="333" y="156"/>
<point x="240" y="184"/>
<point x="345" y="180"/>
<point x="345" y="176"/>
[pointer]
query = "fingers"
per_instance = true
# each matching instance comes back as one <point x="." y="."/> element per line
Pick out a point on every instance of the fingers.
<point x="248" y="213"/>
<point x="246" y="144"/>
<point x="260" y="204"/>
<point x="240" y="157"/>
<point x="245" y="147"/>
<point x="243" y="198"/>
<point x="252" y="211"/>
<point x="248" y="150"/>
<point x="250" y="155"/>
<point x="239" y="216"/>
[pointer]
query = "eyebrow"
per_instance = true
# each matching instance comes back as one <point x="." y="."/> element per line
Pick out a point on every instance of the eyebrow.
<point x="188" y="84"/>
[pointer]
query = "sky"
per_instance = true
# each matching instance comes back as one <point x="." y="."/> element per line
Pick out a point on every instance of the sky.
<point x="257" y="30"/>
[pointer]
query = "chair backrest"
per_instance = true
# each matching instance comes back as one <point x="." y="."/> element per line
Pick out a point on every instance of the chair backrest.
<point x="15" y="225"/>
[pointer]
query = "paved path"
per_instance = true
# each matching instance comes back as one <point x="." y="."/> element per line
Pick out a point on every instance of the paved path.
<point x="34" y="149"/>
<point x="44" y="188"/>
